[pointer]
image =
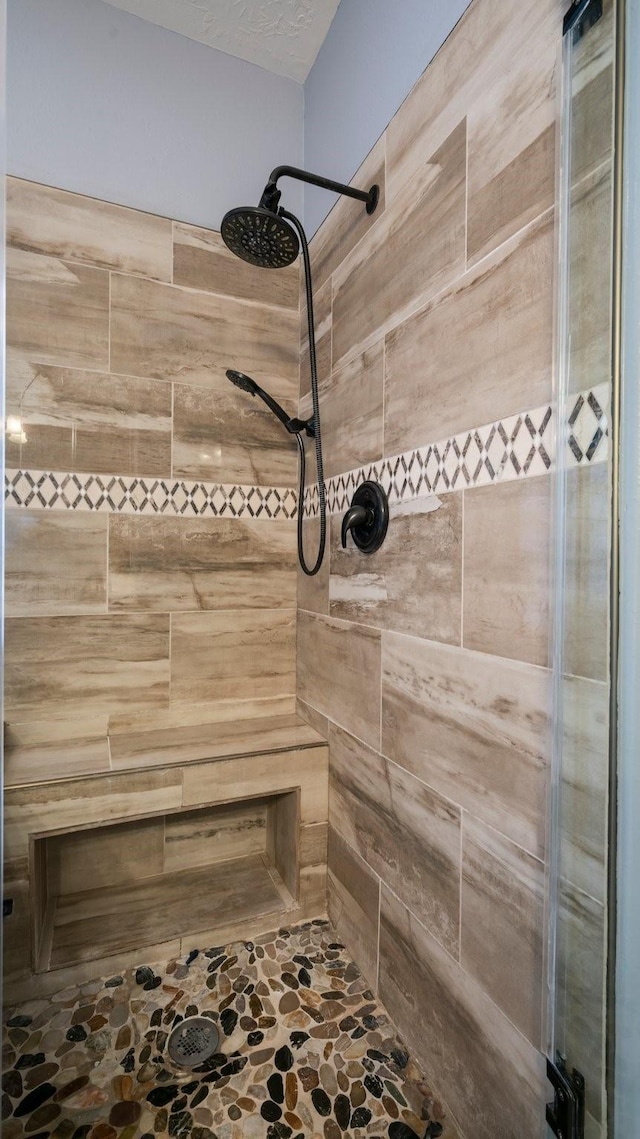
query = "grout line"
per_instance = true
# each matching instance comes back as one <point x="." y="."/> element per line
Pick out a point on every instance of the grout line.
<point x="109" y="329"/>
<point x="462" y="814"/>
<point x="466" y="193"/>
<point x="462" y="552"/>
<point x="378" y="935"/>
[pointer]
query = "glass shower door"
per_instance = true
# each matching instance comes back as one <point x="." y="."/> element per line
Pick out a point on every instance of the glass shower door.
<point x="579" y="894"/>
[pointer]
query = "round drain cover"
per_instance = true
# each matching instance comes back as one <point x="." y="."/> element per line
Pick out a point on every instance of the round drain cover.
<point x="193" y="1041"/>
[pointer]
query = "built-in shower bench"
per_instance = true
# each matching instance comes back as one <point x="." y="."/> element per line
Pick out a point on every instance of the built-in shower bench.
<point x="191" y="836"/>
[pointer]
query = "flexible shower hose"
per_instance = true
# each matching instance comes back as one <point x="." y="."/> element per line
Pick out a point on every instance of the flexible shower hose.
<point x="316" y="415"/>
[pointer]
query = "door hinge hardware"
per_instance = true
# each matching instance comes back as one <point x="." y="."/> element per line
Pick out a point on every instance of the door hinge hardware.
<point x="565" y="1115"/>
<point x="582" y="15"/>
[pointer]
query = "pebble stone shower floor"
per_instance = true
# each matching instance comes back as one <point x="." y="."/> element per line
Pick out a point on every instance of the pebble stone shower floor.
<point x="306" y="1052"/>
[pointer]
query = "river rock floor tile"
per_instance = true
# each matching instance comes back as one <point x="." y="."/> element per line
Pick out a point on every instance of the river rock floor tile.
<point x="306" y="1052"/>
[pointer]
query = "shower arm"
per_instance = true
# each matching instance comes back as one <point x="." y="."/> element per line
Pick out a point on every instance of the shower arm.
<point x="271" y="194"/>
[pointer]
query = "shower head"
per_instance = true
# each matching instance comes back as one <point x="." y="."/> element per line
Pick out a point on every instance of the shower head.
<point x="260" y="236"/>
<point x="246" y="384"/>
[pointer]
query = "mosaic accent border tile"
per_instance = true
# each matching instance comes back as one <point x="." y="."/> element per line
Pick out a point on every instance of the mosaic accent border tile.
<point x="118" y="494"/>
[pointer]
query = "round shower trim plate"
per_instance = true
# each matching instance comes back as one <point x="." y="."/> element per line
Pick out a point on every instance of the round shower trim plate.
<point x="193" y="1041"/>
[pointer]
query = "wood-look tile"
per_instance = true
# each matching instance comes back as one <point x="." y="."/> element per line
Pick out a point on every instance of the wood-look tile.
<point x="489" y="1075"/>
<point x="586" y="616"/>
<point x="253" y="776"/>
<point x="314" y="719"/>
<point x="201" y="260"/>
<point x="580" y="1005"/>
<point x="496" y="362"/>
<point x="228" y="437"/>
<point x="215" y="656"/>
<point x="59" y="667"/>
<point x="57" y="312"/>
<point x="209" y="740"/>
<point x="354" y="901"/>
<point x="313" y="592"/>
<point x="416" y="249"/>
<point x="413" y="583"/>
<point x="313" y="868"/>
<point x="73" y="420"/>
<point x="243" y="707"/>
<point x="339" y="673"/>
<point x="47" y="750"/>
<point x="41" y="219"/>
<point x="351" y="411"/>
<point x="584" y="788"/>
<point x="172" y="564"/>
<point x="590" y="281"/>
<point x="515" y="196"/>
<point x="322" y="327"/>
<point x="55" y="563"/>
<point x="204" y="838"/>
<point x="348" y="221"/>
<point x="506" y="569"/>
<point x="169" y="333"/>
<point x="473" y="727"/>
<point x="105" y="856"/>
<point x="406" y="833"/>
<point x="502" y="923"/>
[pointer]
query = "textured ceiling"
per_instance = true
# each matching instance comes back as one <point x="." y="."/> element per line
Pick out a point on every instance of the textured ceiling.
<point x="282" y="35"/>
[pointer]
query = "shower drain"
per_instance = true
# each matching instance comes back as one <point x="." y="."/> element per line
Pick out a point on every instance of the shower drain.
<point x="193" y="1041"/>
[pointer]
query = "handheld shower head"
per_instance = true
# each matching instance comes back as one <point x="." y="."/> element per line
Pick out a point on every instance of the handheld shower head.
<point x="259" y="236"/>
<point x="246" y="384"/>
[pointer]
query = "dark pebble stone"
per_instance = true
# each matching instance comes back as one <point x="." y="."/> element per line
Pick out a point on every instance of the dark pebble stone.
<point x="358" y="1033"/>
<point x="291" y="981"/>
<point x="113" y="982"/>
<point x="234" y="1066"/>
<point x="250" y="945"/>
<point x="279" y="1131"/>
<point x="336" y="945"/>
<point x="299" y="1038"/>
<point x="20" y="1021"/>
<point x="181" y="1123"/>
<point x="332" y="995"/>
<point x="215" y="964"/>
<point x="370" y="1022"/>
<point x="283" y="1059"/>
<point x="347" y="1023"/>
<point x="321" y="1101"/>
<point x="12" y="1084"/>
<point x="159" y="1097"/>
<point x="214" y="951"/>
<point x="249" y="989"/>
<point x="368" y="995"/>
<point x="361" y="1117"/>
<point x="154" y="983"/>
<point x="71" y="1088"/>
<point x="124" y="1113"/>
<point x="275" y="1087"/>
<point x="191" y="1010"/>
<point x="128" y="1062"/>
<point x="145" y="1054"/>
<point x="368" y="1064"/>
<point x="82" y="1131"/>
<point x="375" y="1055"/>
<point x="248" y="1024"/>
<point x="192" y="956"/>
<point x="255" y="1038"/>
<point x="300" y="959"/>
<point x="179" y="1104"/>
<point x="147" y="1135"/>
<point x="234" y="1112"/>
<point x="156" y="1017"/>
<point x="7" y="1106"/>
<point x="201" y="1094"/>
<point x="144" y="974"/>
<point x="266" y="1021"/>
<point x="211" y="982"/>
<point x="228" y="1020"/>
<point x="313" y="1013"/>
<point x="401" y="1131"/>
<point x="375" y="1085"/>
<point x="400" y="1057"/>
<point x="30" y="1059"/>
<point x="342" y="1109"/>
<point x="304" y="978"/>
<point x="434" y="1130"/>
<point x="192" y="1086"/>
<point x="161" y="1120"/>
<point x="77" y="1032"/>
<point x="34" y="1099"/>
<point x="270" y="1111"/>
<point x="308" y="1078"/>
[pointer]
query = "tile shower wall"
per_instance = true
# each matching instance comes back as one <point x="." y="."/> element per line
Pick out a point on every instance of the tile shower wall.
<point x="150" y="573"/>
<point x="428" y="662"/>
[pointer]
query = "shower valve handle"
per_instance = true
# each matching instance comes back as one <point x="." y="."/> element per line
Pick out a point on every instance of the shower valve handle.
<point x="355" y="516"/>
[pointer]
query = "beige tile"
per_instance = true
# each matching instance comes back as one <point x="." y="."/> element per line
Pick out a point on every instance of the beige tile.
<point x="478" y="352"/>
<point x="76" y="228"/>
<point x="506" y="569"/>
<point x="57" y="312"/>
<point x="313" y="868"/>
<point x="518" y="193"/>
<point x="204" y="838"/>
<point x="584" y="787"/>
<point x="252" y="776"/>
<point x="216" y="656"/>
<point x="413" y="583"/>
<point x="228" y="437"/>
<point x="313" y="592"/>
<point x="61" y="667"/>
<point x="586" y="639"/>
<point x="201" y="260"/>
<point x="48" y="750"/>
<point x="169" y="333"/>
<point x="55" y="563"/>
<point x="473" y="727"/>
<point x="339" y="673"/>
<point x="240" y="708"/>
<point x="502" y="923"/>
<point x="171" y="564"/>
<point x="319" y="723"/>
<point x="354" y="899"/>
<point x="407" y="834"/>
<point x="107" y="856"/>
<point x="349" y="221"/>
<point x="322" y="326"/>
<point x="490" y="1076"/>
<point x="351" y="411"/>
<point x="72" y="420"/>
<point x="415" y="250"/>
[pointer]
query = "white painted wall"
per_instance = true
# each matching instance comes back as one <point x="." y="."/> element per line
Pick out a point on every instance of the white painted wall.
<point x="103" y="103"/>
<point x="372" y="56"/>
